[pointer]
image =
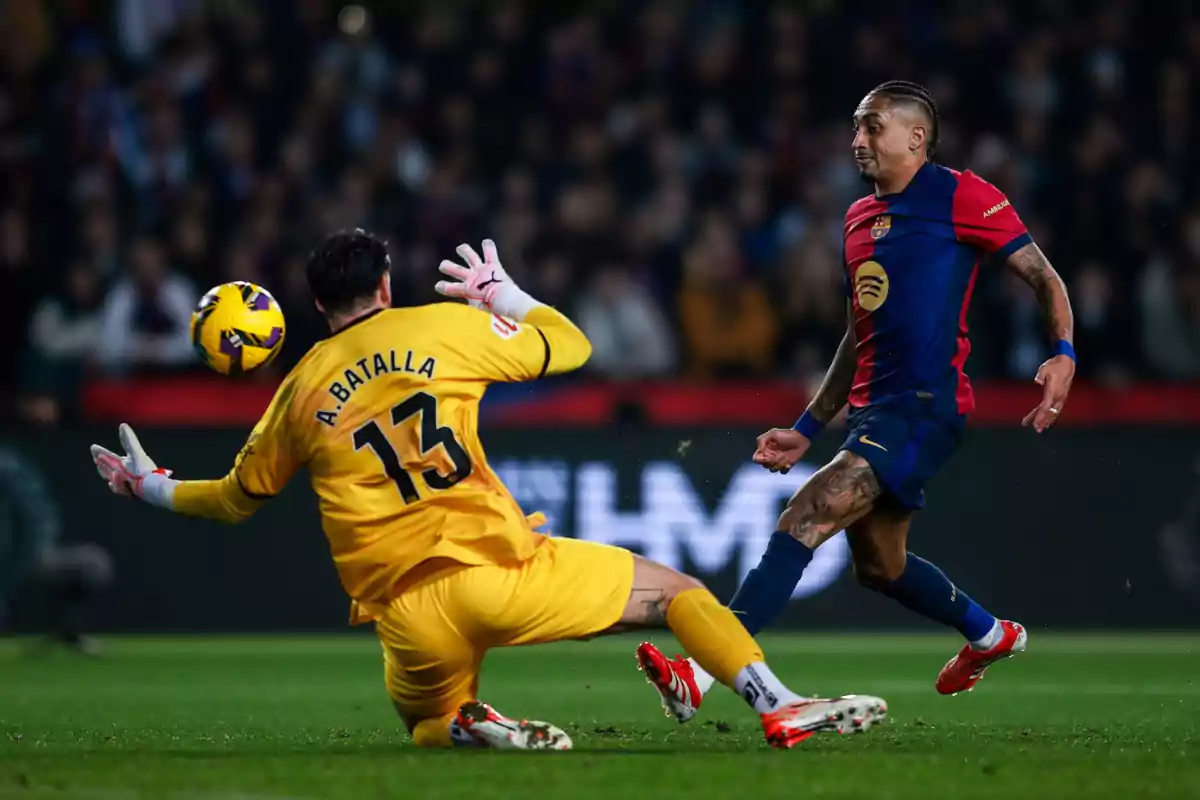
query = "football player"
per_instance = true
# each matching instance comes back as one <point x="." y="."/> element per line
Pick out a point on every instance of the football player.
<point x="912" y="250"/>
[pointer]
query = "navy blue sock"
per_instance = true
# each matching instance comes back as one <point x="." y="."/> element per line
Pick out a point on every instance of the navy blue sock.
<point x="925" y="589"/>
<point x="769" y="586"/>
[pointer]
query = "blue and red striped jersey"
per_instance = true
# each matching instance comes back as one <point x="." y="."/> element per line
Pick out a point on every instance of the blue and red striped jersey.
<point x="911" y="260"/>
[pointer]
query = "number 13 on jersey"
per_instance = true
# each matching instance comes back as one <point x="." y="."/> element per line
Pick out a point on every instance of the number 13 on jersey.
<point x="429" y="436"/>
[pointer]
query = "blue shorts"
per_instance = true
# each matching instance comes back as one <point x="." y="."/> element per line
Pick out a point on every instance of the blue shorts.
<point x="905" y="443"/>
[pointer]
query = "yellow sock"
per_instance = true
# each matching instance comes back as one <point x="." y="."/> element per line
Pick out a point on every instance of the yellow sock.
<point x="712" y="635"/>
<point x="433" y="732"/>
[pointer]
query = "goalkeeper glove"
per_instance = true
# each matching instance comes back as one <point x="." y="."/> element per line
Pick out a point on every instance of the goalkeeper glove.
<point x="134" y="474"/>
<point x="484" y="284"/>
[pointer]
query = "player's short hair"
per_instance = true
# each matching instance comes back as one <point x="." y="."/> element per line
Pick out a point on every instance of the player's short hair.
<point x="345" y="269"/>
<point x="915" y="93"/>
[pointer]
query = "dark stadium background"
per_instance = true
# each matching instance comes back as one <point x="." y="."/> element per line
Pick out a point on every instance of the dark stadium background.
<point x="671" y="175"/>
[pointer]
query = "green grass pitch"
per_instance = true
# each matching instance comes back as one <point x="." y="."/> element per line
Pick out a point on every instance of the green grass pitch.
<point x="1076" y="716"/>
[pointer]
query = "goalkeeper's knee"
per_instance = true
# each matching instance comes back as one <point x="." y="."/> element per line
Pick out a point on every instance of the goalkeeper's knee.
<point x="432" y="732"/>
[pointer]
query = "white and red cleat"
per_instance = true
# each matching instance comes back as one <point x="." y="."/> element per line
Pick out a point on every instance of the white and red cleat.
<point x="479" y="725"/>
<point x="673" y="679"/>
<point x="962" y="672"/>
<point x="795" y="722"/>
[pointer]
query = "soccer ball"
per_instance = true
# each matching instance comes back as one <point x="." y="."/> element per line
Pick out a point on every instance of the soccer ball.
<point x="237" y="327"/>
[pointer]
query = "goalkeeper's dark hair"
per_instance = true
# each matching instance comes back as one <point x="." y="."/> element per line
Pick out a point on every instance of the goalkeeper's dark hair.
<point x="915" y="93"/>
<point x="345" y="269"/>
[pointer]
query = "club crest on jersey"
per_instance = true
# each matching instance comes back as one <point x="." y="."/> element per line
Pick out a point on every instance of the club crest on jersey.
<point x="881" y="226"/>
<point x="504" y="327"/>
<point x="870" y="285"/>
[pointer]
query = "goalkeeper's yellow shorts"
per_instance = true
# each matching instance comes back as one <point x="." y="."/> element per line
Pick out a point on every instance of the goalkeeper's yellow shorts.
<point x="435" y="633"/>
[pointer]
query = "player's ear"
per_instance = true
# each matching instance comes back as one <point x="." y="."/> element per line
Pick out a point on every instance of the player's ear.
<point x="917" y="137"/>
<point x="320" y="307"/>
<point x="385" y="289"/>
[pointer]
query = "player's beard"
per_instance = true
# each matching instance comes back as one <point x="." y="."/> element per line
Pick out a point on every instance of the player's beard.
<point x="865" y="173"/>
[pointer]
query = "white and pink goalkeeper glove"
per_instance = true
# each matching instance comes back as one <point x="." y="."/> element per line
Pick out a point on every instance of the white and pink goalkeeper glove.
<point x="484" y="284"/>
<point x="134" y="474"/>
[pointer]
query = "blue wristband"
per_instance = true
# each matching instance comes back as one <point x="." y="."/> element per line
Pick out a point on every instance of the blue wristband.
<point x="1064" y="348"/>
<point x="808" y="425"/>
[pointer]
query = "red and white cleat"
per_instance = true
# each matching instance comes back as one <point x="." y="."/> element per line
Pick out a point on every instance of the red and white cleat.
<point x="673" y="679"/>
<point x="962" y="672"/>
<point x="479" y="725"/>
<point x="795" y="722"/>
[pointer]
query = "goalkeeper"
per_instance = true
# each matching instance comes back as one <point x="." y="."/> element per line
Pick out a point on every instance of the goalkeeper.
<point x="428" y="542"/>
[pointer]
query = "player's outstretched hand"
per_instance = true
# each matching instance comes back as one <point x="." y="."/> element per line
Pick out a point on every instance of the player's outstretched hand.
<point x="479" y="281"/>
<point x="1055" y="377"/>
<point x="124" y="474"/>
<point x="780" y="448"/>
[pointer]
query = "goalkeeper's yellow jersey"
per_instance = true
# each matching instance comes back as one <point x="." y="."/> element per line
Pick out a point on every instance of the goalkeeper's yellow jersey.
<point x="384" y="414"/>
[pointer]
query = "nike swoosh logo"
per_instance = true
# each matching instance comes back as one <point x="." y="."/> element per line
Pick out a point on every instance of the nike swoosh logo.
<point x="865" y="440"/>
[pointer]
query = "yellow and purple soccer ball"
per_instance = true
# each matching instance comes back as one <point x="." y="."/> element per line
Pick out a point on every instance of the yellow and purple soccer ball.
<point x="237" y="327"/>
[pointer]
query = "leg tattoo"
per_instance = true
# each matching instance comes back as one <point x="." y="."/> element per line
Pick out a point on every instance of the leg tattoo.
<point x="840" y="494"/>
<point x="653" y="604"/>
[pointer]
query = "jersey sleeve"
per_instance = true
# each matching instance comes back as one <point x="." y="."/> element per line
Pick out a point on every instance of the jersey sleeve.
<point x="260" y="470"/>
<point x="500" y="349"/>
<point x="267" y="461"/>
<point x="984" y="218"/>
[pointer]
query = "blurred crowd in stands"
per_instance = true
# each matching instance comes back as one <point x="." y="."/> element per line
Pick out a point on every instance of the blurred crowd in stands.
<point x="673" y="175"/>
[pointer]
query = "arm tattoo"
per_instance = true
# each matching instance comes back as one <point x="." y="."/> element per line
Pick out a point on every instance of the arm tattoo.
<point x="653" y="603"/>
<point x="840" y="494"/>
<point x="839" y="379"/>
<point x="1031" y="264"/>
